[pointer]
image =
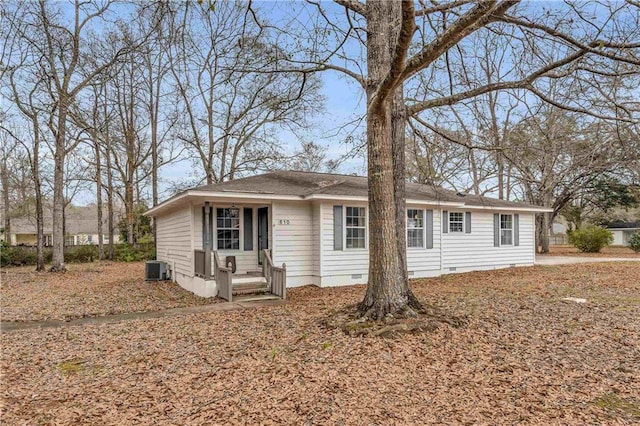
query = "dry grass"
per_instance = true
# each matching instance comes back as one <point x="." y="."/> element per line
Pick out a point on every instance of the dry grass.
<point x="90" y="289"/>
<point x="526" y="357"/>
<point x="615" y="251"/>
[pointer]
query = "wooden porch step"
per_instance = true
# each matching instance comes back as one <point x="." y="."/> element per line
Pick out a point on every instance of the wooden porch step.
<point x="256" y="297"/>
<point x="243" y="279"/>
<point x="254" y="288"/>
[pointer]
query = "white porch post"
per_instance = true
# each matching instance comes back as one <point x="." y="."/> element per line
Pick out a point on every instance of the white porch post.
<point x="207" y="241"/>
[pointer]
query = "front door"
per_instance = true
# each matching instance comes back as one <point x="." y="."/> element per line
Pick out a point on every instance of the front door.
<point x="263" y="231"/>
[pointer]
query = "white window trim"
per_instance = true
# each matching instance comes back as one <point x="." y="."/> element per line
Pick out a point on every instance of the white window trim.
<point x="449" y="223"/>
<point x="424" y="229"/>
<point x="344" y="228"/>
<point x="240" y="228"/>
<point x="511" y="229"/>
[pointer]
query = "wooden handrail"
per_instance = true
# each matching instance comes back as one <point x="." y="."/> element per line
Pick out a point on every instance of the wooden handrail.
<point x="267" y="265"/>
<point x="223" y="277"/>
<point x="276" y="276"/>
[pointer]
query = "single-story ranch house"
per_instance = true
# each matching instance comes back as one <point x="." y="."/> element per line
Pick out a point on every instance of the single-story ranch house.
<point x="622" y="231"/>
<point x="224" y="238"/>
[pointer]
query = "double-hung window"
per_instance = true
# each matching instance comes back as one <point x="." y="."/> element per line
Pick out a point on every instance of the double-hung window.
<point x="228" y="227"/>
<point x="356" y="226"/>
<point x="456" y="222"/>
<point x="415" y="228"/>
<point x="506" y="229"/>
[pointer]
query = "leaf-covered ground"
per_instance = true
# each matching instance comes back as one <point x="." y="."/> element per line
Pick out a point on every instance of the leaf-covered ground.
<point x="526" y="357"/>
<point x="616" y="251"/>
<point x="94" y="289"/>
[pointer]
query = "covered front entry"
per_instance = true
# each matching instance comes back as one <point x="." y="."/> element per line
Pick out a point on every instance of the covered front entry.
<point x="235" y="249"/>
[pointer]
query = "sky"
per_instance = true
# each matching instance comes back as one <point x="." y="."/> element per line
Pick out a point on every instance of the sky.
<point x="344" y="103"/>
<point x="344" y="100"/>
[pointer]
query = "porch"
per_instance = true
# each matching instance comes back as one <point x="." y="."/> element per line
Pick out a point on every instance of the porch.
<point x="268" y="283"/>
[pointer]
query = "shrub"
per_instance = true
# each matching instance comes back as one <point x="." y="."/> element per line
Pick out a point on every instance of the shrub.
<point x="634" y="241"/>
<point x="590" y="239"/>
<point x="81" y="254"/>
<point x="127" y="253"/>
<point x="16" y="256"/>
<point x="4" y="253"/>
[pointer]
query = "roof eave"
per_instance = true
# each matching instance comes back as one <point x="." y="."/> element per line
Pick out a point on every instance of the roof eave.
<point x="195" y="194"/>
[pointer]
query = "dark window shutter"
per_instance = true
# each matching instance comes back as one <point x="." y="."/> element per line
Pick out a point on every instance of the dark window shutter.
<point x="429" y="226"/>
<point x="445" y="222"/>
<point x="337" y="227"/>
<point x="496" y="230"/>
<point x="204" y="233"/>
<point x="248" y="229"/>
<point x="516" y="229"/>
<point x="467" y="222"/>
<point x="210" y="237"/>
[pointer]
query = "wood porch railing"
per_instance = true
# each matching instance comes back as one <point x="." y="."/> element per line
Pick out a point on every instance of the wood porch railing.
<point x="200" y="263"/>
<point x="276" y="276"/>
<point x="223" y="277"/>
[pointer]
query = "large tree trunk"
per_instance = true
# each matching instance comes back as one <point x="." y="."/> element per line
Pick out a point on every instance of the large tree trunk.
<point x="544" y="236"/>
<point x="4" y="177"/>
<point x="387" y="290"/>
<point x="107" y="153"/>
<point x="35" y="171"/>
<point x="128" y="206"/>
<point x="110" y="218"/>
<point x="96" y="146"/>
<point x="58" y="189"/>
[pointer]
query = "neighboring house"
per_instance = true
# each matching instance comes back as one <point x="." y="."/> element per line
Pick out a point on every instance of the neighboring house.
<point x="558" y="231"/>
<point x="622" y="232"/>
<point x="316" y="224"/>
<point x="81" y="228"/>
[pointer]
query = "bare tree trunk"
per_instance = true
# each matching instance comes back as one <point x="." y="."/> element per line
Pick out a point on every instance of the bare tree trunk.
<point x="4" y="178"/>
<point x="58" y="188"/>
<point x="35" y="171"/>
<point x="96" y="145"/>
<point x="544" y="236"/>
<point x="386" y="290"/>
<point x="110" y="219"/>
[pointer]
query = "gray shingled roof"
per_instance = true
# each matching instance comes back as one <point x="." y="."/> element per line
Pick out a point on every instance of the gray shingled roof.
<point x="623" y="225"/>
<point x="304" y="184"/>
<point x="78" y="220"/>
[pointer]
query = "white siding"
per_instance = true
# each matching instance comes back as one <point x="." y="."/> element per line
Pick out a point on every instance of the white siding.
<point x="293" y="240"/>
<point x="618" y="237"/>
<point x="476" y="251"/>
<point x="173" y="240"/>
<point x="345" y="262"/>
<point x="421" y="261"/>
<point x="301" y="235"/>
<point x="341" y="267"/>
<point x="317" y="250"/>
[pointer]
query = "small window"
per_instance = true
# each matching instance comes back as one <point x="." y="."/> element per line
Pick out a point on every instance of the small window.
<point x="415" y="228"/>
<point x="456" y="222"/>
<point x="228" y="224"/>
<point x="506" y="229"/>
<point x="69" y="240"/>
<point x="89" y="239"/>
<point x="356" y="225"/>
